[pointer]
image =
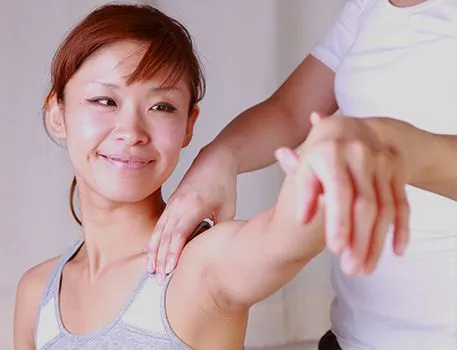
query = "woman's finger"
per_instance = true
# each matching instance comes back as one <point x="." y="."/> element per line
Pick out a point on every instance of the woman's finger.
<point x="329" y="164"/>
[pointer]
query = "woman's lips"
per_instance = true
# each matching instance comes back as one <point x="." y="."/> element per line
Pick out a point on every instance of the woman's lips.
<point x="126" y="162"/>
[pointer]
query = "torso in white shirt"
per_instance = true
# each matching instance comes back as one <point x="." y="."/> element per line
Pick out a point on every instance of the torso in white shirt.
<point x="400" y="63"/>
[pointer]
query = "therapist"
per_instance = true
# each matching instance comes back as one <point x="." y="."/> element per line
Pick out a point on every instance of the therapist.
<point x="390" y="68"/>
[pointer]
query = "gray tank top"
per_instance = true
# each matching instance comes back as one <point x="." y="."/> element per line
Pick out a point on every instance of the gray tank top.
<point x="142" y="324"/>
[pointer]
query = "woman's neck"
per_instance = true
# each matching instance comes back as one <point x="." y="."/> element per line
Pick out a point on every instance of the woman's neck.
<point x="116" y="231"/>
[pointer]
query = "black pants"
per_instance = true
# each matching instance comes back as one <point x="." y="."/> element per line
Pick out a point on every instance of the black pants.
<point x="329" y="342"/>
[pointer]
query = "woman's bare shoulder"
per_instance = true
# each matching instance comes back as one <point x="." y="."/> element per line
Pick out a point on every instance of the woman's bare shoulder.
<point x="29" y="292"/>
<point x="35" y="279"/>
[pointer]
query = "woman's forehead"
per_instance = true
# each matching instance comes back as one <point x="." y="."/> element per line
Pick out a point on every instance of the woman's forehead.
<point x="112" y="67"/>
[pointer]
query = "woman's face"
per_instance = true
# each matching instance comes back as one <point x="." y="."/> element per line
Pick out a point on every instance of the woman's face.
<point x="124" y="140"/>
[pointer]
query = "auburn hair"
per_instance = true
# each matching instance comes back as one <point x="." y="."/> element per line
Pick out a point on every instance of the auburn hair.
<point x="170" y="50"/>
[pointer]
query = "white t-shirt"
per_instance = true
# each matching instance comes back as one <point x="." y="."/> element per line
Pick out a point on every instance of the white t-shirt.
<point x="400" y="63"/>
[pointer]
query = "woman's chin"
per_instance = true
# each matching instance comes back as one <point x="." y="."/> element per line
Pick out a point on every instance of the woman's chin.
<point x="127" y="195"/>
<point x="125" y="190"/>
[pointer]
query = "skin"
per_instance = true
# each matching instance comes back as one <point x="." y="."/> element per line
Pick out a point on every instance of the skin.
<point x="359" y="211"/>
<point x="124" y="142"/>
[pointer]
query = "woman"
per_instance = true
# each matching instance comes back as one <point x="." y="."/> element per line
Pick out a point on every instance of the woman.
<point x="392" y="59"/>
<point x="124" y="98"/>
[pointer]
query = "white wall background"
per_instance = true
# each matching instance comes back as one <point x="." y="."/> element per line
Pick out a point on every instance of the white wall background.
<point x="247" y="47"/>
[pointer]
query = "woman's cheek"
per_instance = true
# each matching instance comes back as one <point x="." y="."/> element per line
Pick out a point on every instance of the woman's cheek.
<point x="169" y="137"/>
<point x="88" y="126"/>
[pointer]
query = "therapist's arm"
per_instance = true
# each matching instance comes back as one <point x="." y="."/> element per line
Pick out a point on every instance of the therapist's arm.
<point x="251" y="139"/>
<point x="431" y="157"/>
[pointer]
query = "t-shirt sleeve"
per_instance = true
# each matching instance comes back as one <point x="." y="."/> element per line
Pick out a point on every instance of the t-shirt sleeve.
<point x="336" y="43"/>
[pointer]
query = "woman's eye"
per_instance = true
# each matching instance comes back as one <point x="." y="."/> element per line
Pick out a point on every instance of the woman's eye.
<point x="104" y="101"/>
<point x="163" y="107"/>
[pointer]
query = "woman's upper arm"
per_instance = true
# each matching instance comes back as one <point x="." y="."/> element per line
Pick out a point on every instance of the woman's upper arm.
<point x="229" y="268"/>
<point x="29" y="292"/>
<point x="226" y="270"/>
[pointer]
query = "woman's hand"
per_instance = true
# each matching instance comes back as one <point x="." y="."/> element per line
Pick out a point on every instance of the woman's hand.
<point x="208" y="190"/>
<point x="363" y="185"/>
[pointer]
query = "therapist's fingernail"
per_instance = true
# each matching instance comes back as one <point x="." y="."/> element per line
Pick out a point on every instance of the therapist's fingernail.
<point x="315" y="118"/>
<point x="170" y="265"/>
<point x="150" y="265"/>
<point x="401" y="248"/>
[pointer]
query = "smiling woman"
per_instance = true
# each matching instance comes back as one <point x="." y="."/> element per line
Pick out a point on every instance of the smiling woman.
<point x="150" y="47"/>
<point x="125" y="87"/>
<point x="99" y="114"/>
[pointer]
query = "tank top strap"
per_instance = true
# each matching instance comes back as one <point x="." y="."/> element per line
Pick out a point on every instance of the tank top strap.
<point x="52" y="286"/>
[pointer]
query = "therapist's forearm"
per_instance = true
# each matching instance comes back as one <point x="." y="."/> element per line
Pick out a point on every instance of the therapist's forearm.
<point x="431" y="158"/>
<point x="440" y="170"/>
<point x="253" y="136"/>
<point x="282" y="120"/>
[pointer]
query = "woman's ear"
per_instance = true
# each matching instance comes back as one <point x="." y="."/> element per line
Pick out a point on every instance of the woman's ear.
<point x="54" y="117"/>
<point x="190" y="126"/>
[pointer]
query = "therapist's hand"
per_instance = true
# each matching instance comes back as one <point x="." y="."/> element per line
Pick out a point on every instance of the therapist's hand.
<point x="208" y="190"/>
<point x="363" y="183"/>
